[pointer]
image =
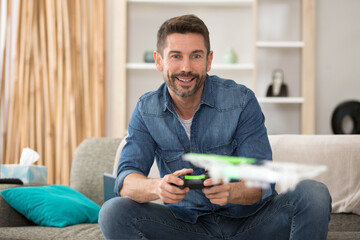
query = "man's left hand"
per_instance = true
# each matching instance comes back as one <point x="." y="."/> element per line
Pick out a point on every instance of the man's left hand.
<point x="218" y="194"/>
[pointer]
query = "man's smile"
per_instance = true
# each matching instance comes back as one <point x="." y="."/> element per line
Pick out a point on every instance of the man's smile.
<point x="186" y="80"/>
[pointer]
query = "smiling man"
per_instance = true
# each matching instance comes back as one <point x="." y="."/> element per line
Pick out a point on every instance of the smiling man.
<point x="195" y="112"/>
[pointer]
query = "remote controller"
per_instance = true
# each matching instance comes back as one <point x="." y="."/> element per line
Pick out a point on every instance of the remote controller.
<point x="193" y="181"/>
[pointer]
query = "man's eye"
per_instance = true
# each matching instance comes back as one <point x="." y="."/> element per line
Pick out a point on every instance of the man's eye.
<point x="175" y="56"/>
<point x="196" y="56"/>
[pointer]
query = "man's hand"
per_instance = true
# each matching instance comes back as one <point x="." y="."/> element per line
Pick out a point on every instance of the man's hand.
<point x="218" y="194"/>
<point x="235" y="192"/>
<point x="172" y="194"/>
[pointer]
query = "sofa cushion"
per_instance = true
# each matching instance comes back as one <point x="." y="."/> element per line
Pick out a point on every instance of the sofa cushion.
<point x="343" y="235"/>
<point x="344" y="222"/>
<point x="75" y="232"/>
<point x="8" y="216"/>
<point x="341" y="155"/>
<point x="343" y="226"/>
<point x="55" y="205"/>
<point x="93" y="157"/>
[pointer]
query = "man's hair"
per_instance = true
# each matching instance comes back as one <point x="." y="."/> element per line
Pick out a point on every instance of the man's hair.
<point x="182" y="24"/>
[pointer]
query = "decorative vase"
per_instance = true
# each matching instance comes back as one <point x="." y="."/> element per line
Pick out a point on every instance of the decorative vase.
<point x="230" y="56"/>
<point x="149" y="57"/>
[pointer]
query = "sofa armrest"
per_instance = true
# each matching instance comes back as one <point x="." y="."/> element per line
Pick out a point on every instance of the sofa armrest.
<point x="9" y="217"/>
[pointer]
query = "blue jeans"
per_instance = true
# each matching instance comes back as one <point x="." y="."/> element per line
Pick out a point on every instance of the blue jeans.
<point x="303" y="213"/>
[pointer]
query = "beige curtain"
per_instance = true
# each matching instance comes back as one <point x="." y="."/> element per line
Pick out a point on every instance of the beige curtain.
<point x="52" y="81"/>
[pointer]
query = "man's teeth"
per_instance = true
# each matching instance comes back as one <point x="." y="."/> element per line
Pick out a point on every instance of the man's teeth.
<point x="185" y="80"/>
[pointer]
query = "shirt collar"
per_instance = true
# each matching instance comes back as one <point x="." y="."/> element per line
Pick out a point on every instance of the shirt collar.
<point x="207" y="97"/>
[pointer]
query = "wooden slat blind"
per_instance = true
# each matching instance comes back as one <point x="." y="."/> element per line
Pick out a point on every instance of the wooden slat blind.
<point x="52" y="89"/>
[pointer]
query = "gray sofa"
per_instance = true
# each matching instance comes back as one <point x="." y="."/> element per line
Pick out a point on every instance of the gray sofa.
<point x="94" y="156"/>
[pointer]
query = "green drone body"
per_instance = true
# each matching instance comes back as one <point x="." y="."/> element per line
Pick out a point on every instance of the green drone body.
<point x="221" y="158"/>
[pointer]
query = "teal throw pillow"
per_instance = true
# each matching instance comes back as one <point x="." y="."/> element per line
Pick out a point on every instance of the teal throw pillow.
<point x="54" y="205"/>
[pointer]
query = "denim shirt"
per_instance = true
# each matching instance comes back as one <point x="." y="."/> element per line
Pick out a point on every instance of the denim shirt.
<point x="228" y="121"/>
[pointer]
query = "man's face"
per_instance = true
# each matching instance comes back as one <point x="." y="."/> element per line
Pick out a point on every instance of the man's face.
<point x="184" y="63"/>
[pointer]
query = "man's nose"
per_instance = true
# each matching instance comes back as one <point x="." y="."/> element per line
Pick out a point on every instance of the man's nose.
<point x="186" y="65"/>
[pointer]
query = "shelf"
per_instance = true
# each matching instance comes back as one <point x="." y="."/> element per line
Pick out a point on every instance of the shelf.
<point x="140" y="66"/>
<point x="196" y="2"/>
<point x="283" y="44"/>
<point x="283" y="100"/>
<point x="236" y="66"/>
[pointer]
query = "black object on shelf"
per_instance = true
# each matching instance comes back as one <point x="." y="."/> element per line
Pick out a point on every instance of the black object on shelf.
<point x="278" y="88"/>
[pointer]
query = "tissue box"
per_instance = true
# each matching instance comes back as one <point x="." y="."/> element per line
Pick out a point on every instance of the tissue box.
<point x="29" y="174"/>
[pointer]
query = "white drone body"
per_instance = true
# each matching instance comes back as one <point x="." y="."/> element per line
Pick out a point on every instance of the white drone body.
<point x="225" y="168"/>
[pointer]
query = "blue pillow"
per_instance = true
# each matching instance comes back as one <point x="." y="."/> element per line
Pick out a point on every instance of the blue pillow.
<point x="54" y="205"/>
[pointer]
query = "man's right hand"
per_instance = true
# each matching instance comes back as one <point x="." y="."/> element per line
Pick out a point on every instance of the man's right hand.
<point x="168" y="192"/>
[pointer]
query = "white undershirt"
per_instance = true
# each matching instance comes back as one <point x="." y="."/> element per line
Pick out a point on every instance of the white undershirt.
<point x="187" y="125"/>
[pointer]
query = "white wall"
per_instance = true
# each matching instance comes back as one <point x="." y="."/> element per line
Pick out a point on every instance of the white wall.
<point x="337" y="58"/>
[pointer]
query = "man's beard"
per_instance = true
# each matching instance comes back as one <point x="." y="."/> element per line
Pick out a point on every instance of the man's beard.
<point x="171" y="79"/>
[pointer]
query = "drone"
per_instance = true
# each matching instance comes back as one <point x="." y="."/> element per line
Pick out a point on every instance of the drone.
<point x="256" y="173"/>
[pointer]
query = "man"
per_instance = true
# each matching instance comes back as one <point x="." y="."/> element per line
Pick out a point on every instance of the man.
<point x="195" y="112"/>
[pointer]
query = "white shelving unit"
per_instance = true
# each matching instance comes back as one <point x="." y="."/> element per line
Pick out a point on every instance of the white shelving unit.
<point x="242" y="17"/>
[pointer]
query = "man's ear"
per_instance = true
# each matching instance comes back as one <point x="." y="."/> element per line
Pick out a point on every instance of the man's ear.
<point x="158" y="61"/>
<point x="209" y="61"/>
